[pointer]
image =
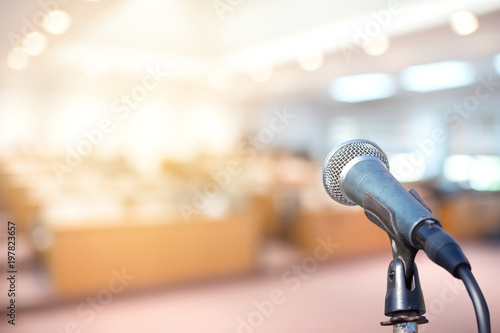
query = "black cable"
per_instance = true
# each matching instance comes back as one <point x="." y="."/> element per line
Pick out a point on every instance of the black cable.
<point x="482" y="313"/>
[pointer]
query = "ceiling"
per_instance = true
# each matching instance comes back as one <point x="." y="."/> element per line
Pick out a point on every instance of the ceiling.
<point x="200" y="35"/>
<point x="191" y="39"/>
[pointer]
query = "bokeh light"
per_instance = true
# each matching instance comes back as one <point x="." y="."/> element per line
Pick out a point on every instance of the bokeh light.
<point x="363" y="87"/>
<point x="464" y="22"/>
<point x="18" y="59"/>
<point x="34" y="43"/>
<point x="310" y="60"/>
<point x="57" y="22"/>
<point x="377" y="46"/>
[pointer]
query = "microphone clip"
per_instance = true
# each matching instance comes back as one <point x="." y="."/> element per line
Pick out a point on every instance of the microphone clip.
<point x="404" y="301"/>
<point x="404" y="305"/>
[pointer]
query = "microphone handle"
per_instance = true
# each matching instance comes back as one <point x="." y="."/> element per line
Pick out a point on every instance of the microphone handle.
<point x="367" y="174"/>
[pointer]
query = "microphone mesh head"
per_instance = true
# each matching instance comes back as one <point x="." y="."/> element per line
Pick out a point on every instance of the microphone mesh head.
<point x="338" y="159"/>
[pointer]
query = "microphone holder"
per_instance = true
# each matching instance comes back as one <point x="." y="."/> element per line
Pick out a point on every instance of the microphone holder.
<point x="404" y="301"/>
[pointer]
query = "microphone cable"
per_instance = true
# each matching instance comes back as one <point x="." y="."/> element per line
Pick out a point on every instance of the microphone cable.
<point x="480" y="307"/>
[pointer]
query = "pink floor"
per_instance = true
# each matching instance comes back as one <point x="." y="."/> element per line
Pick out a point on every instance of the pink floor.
<point x="346" y="296"/>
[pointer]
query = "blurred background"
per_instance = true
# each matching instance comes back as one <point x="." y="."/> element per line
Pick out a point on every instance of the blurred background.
<point x="162" y="159"/>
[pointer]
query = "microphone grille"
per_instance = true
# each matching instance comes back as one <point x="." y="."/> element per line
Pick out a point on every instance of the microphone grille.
<point x="338" y="159"/>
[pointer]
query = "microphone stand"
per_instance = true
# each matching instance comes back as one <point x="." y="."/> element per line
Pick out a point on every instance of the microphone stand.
<point x="404" y="301"/>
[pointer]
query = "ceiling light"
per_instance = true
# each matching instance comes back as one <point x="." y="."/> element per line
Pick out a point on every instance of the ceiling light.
<point x="463" y="22"/>
<point x="496" y="63"/>
<point x="363" y="87"/>
<point x="437" y="76"/>
<point x="456" y="168"/>
<point x="57" y="22"/>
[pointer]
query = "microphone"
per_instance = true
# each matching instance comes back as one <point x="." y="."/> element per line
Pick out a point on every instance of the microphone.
<point x="357" y="173"/>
